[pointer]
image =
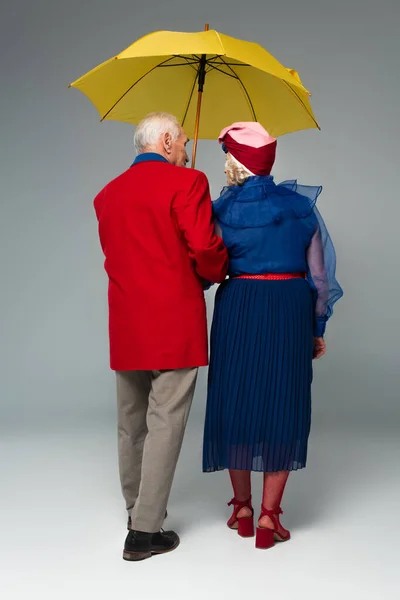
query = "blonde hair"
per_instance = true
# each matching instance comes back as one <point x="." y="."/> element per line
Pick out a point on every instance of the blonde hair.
<point x="236" y="173"/>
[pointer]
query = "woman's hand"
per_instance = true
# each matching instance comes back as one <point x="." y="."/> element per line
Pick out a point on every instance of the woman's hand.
<point x="319" y="347"/>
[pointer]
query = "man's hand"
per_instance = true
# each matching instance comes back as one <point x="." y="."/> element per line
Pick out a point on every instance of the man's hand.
<point x="319" y="347"/>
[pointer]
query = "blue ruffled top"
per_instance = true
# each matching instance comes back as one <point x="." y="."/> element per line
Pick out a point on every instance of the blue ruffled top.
<point x="270" y="228"/>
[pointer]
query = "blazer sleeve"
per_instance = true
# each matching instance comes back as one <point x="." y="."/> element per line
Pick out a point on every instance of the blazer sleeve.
<point x="193" y="214"/>
<point x="98" y="204"/>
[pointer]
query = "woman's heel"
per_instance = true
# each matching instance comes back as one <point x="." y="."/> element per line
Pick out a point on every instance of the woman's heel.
<point x="264" y="538"/>
<point x="246" y="526"/>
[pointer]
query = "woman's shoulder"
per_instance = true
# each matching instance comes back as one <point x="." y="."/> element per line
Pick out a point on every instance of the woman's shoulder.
<point x="260" y="202"/>
<point x="303" y="198"/>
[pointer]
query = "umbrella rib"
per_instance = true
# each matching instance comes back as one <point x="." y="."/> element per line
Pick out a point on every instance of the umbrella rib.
<point x="193" y="61"/>
<point x="213" y="67"/>
<point x="248" y="96"/>
<point x="301" y="102"/>
<point x="136" y="82"/>
<point x="228" y="64"/>
<point x="244" y="88"/>
<point x="223" y="62"/>
<point x="186" y="64"/>
<point x="183" y="57"/>
<point x="190" y="98"/>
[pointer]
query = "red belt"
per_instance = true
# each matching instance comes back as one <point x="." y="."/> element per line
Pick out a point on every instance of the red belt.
<point x="272" y="276"/>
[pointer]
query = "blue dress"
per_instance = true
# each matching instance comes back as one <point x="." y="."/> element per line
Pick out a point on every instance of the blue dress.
<point x="259" y="389"/>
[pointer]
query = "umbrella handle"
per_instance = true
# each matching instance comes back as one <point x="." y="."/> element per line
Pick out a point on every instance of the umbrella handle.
<point x="201" y="79"/>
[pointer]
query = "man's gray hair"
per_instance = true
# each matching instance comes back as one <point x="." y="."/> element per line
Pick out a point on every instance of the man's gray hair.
<point x="155" y="125"/>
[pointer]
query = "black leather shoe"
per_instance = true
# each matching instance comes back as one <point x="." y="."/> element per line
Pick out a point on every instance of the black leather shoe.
<point x="140" y="545"/>
<point x="129" y="525"/>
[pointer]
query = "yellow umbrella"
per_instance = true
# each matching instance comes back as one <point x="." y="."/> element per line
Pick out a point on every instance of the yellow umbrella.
<point x="187" y="74"/>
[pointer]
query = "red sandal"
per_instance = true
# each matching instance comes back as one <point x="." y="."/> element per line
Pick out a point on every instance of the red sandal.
<point x="244" y="525"/>
<point x="265" y="537"/>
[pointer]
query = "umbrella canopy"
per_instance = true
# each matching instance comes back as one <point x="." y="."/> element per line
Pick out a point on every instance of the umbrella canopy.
<point x="234" y="80"/>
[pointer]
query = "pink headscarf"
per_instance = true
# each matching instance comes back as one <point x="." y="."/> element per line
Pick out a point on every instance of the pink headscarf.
<point x="251" y="145"/>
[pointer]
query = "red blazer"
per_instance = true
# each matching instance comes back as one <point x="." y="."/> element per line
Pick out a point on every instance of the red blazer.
<point x="156" y="232"/>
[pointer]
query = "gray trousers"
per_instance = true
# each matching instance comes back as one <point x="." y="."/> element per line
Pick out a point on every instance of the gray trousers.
<point x="153" y="408"/>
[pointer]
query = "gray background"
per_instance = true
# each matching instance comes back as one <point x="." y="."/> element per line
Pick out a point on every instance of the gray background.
<point x="55" y="157"/>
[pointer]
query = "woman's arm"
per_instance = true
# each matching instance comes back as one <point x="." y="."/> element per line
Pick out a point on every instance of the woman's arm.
<point x="321" y="259"/>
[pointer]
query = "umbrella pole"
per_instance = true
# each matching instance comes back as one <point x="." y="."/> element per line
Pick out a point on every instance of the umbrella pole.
<point x="196" y="130"/>
<point x="202" y="76"/>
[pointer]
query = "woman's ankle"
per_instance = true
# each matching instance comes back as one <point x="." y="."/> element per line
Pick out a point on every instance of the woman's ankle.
<point x="266" y="522"/>
<point x="245" y="511"/>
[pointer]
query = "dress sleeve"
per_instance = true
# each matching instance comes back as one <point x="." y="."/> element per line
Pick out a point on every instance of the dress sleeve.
<point x="321" y="260"/>
<point x="193" y="213"/>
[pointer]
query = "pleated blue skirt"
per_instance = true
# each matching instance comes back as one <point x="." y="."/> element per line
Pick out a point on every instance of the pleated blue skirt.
<point x="259" y="387"/>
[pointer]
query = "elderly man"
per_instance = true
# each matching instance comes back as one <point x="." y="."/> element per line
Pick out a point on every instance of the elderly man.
<point x="156" y="232"/>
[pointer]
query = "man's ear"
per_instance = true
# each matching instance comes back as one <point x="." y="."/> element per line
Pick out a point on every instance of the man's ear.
<point x="167" y="142"/>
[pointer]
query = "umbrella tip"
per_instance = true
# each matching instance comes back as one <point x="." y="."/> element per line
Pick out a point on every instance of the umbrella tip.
<point x="206" y="27"/>
<point x="69" y="85"/>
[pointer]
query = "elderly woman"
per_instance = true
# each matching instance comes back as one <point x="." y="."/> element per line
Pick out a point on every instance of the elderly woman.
<point x="268" y="325"/>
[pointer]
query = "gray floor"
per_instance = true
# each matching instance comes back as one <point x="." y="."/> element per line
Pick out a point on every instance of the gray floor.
<point x="62" y="522"/>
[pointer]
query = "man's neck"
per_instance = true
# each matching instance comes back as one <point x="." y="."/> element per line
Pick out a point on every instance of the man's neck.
<point x="149" y="157"/>
<point x="153" y="150"/>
